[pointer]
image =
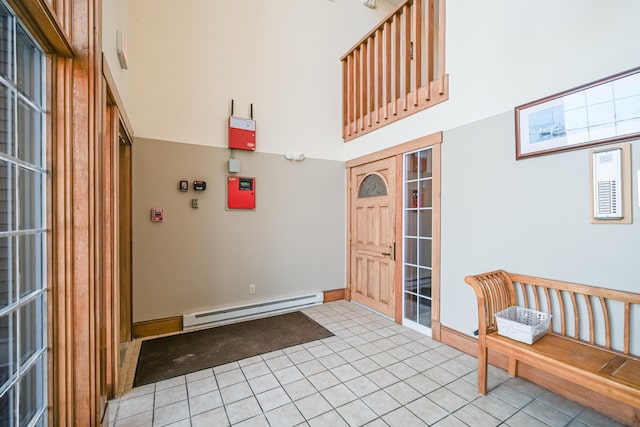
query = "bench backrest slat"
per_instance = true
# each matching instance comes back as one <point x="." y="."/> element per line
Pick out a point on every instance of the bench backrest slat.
<point x="563" y="329"/>
<point x="576" y="316"/>
<point x="573" y="306"/>
<point x="607" y="324"/>
<point x="627" y="326"/>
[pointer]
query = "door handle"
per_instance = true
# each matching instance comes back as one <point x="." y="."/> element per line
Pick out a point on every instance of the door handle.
<point x="392" y="250"/>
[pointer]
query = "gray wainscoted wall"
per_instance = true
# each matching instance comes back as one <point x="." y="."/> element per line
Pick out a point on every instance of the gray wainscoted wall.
<point x="528" y="216"/>
<point x="293" y="243"/>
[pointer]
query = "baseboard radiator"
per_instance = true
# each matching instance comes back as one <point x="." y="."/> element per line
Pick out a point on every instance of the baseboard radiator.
<point x="246" y="312"/>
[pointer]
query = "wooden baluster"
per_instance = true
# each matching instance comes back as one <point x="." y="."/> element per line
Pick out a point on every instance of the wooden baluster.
<point x="352" y="92"/>
<point x="345" y="97"/>
<point x="441" y="40"/>
<point x="417" y="49"/>
<point x="396" y="60"/>
<point x="607" y="326"/>
<point x="407" y="56"/>
<point x="430" y="46"/>
<point x="379" y="45"/>
<point x="372" y="78"/>
<point x="358" y="94"/>
<point x="366" y="119"/>
<point x="387" y="76"/>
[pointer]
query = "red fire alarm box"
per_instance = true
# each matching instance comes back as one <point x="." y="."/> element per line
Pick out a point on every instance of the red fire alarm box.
<point x="241" y="193"/>
<point x="242" y="133"/>
<point x="157" y="214"/>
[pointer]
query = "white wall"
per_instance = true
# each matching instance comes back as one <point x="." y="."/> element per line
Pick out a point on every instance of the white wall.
<point x="529" y="216"/>
<point x="504" y="53"/>
<point x="188" y="60"/>
<point x="115" y="16"/>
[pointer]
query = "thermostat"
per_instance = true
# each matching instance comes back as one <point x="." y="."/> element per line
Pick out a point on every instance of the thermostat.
<point x="199" y="185"/>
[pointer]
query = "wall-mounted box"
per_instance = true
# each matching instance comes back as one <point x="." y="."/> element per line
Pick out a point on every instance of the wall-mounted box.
<point x="242" y="133"/>
<point x="241" y="192"/>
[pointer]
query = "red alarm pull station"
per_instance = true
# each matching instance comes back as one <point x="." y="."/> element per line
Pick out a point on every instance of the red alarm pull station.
<point x="157" y="214"/>
<point x="241" y="193"/>
<point x="242" y="133"/>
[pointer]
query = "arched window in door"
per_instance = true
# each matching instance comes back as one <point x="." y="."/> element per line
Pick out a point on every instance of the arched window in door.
<point x="372" y="186"/>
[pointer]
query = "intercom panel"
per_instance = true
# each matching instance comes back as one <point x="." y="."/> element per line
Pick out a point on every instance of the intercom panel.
<point x="607" y="184"/>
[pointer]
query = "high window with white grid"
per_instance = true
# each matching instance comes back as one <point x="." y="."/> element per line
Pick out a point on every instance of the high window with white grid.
<point x="23" y="363"/>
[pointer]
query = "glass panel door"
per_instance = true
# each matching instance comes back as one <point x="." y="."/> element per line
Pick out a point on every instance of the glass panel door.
<point x="417" y="239"/>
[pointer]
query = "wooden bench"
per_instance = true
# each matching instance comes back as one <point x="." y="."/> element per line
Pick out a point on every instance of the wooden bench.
<point x="590" y="339"/>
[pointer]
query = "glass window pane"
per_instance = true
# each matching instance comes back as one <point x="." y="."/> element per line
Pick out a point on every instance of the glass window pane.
<point x="8" y="348"/>
<point x="426" y="164"/>
<point x="31" y="263"/>
<point x="28" y="67"/>
<point x="30" y="194"/>
<point x="7" y="405"/>
<point x="411" y="250"/>
<point x="411" y="166"/>
<point x="7" y="265"/>
<point x="6" y="121"/>
<point x="30" y="144"/>
<point x="425" y="282"/>
<point x="412" y="195"/>
<point x="425" y="253"/>
<point x="31" y="392"/>
<point x="372" y="186"/>
<point x="410" y="279"/>
<point x="31" y="328"/>
<point x="424" y="317"/>
<point x="6" y="42"/>
<point x="411" y="223"/>
<point x="425" y="223"/>
<point x="411" y="307"/>
<point x="426" y="194"/>
<point x="7" y="197"/>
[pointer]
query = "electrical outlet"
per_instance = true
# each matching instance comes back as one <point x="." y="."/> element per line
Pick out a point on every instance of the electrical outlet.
<point x="252" y="289"/>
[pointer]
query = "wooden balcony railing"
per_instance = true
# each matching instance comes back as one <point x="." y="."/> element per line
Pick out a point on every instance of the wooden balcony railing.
<point x="396" y="70"/>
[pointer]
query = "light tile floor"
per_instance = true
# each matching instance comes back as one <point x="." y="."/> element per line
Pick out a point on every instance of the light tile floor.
<point x="372" y="372"/>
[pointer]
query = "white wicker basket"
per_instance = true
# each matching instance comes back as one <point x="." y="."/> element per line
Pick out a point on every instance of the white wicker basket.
<point x="522" y="324"/>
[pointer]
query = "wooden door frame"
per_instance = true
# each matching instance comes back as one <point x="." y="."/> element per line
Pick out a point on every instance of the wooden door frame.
<point x="433" y="140"/>
<point x="116" y="122"/>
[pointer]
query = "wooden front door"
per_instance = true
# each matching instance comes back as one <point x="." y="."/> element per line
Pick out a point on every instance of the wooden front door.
<point x="372" y="235"/>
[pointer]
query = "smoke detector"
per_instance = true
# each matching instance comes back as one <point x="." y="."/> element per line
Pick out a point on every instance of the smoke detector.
<point x="369" y="3"/>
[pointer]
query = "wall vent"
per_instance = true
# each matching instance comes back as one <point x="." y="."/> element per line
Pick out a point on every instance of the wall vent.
<point x="251" y="311"/>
